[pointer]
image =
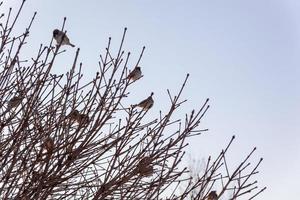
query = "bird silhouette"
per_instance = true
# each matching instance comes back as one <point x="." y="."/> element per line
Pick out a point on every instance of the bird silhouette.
<point x="61" y="38"/>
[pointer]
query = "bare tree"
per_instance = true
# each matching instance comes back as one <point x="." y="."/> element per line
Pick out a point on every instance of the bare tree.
<point x="215" y="173"/>
<point x="65" y="139"/>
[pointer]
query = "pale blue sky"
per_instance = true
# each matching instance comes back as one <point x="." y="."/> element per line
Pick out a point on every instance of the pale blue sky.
<point x="243" y="55"/>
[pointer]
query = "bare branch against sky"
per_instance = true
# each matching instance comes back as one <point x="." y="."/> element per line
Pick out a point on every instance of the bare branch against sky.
<point x="65" y="138"/>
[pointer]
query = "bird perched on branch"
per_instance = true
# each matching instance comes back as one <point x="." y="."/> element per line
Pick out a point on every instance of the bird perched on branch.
<point x="61" y="38"/>
<point x="146" y="104"/>
<point x="14" y="102"/>
<point x="135" y="74"/>
<point x="74" y="115"/>
<point x="144" y="167"/>
<point x="212" y="195"/>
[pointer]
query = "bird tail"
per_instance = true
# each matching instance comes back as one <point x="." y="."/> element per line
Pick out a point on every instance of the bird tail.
<point x="72" y="45"/>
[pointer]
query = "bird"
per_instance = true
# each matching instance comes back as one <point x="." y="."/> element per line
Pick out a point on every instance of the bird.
<point x="61" y="38"/>
<point x="212" y="195"/>
<point x="146" y="104"/>
<point x="80" y="118"/>
<point x="74" y="115"/>
<point x="135" y="74"/>
<point x="14" y="102"/>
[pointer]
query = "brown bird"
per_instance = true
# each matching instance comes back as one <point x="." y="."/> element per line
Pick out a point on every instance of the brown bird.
<point x="74" y="115"/>
<point x="14" y="102"/>
<point x="61" y="38"/>
<point x="135" y="74"/>
<point x="79" y="118"/>
<point x="146" y="104"/>
<point x="212" y="195"/>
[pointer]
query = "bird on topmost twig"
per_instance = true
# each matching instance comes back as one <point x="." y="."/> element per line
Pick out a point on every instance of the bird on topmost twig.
<point x="61" y="38"/>
<point x="135" y="74"/>
<point x="146" y="104"/>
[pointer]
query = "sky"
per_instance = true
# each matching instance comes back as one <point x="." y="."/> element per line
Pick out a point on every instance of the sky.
<point x="243" y="55"/>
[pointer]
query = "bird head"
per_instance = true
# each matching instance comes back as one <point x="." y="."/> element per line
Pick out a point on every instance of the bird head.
<point x="212" y="195"/>
<point x="55" y="32"/>
<point x="75" y="112"/>
<point x="138" y="68"/>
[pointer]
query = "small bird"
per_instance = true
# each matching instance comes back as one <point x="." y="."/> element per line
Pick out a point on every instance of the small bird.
<point x="146" y="104"/>
<point x="212" y="195"/>
<point x="80" y="118"/>
<point x="135" y="74"/>
<point x="74" y="115"/>
<point x="14" y="102"/>
<point x="61" y="38"/>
